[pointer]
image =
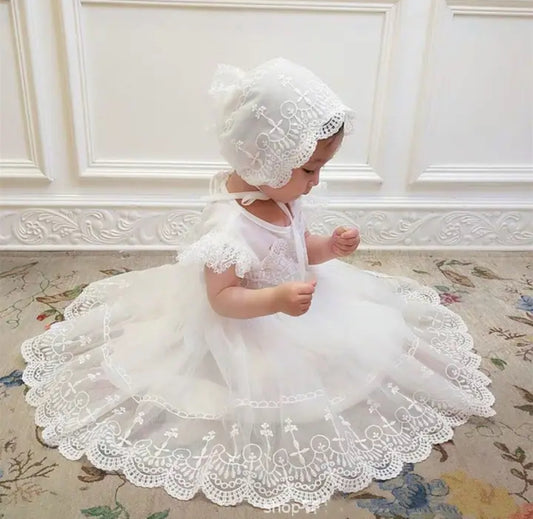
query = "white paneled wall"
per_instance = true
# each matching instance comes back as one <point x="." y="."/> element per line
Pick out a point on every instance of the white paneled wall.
<point x="105" y="137"/>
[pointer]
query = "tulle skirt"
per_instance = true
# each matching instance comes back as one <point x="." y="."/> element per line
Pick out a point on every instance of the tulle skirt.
<point x="144" y="377"/>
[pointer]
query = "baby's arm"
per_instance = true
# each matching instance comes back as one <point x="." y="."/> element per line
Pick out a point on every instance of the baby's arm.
<point x="324" y="248"/>
<point x="229" y="299"/>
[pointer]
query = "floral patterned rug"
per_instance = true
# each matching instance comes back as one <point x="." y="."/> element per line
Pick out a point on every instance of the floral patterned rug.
<point x="485" y="472"/>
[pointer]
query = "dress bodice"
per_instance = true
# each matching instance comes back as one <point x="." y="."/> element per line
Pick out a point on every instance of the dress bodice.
<point x="264" y="254"/>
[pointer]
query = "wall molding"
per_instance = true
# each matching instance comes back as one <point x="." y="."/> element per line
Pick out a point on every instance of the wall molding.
<point x="191" y="170"/>
<point x="159" y="223"/>
<point x="491" y="7"/>
<point x="274" y="5"/>
<point x="476" y="174"/>
<point x="34" y="167"/>
<point x="88" y="166"/>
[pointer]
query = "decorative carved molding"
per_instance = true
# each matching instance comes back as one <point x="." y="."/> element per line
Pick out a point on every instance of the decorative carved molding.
<point x="396" y="226"/>
<point x="437" y="228"/>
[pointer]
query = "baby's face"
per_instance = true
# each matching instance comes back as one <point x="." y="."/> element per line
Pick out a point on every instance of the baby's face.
<point x="307" y="176"/>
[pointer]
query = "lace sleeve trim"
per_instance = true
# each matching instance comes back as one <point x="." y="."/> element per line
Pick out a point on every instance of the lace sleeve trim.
<point x="219" y="252"/>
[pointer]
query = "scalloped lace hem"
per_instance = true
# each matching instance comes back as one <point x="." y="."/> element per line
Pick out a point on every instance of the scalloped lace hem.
<point x="330" y="482"/>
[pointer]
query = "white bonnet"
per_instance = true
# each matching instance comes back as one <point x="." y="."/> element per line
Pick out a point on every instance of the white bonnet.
<point x="268" y="120"/>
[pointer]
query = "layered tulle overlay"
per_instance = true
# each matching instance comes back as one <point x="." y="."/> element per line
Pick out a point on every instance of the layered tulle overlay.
<point x="144" y="377"/>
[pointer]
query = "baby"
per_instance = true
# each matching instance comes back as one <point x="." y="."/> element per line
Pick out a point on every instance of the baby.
<point x="258" y="367"/>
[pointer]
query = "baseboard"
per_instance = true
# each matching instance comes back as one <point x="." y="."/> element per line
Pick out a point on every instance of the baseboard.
<point x="74" y="223"/>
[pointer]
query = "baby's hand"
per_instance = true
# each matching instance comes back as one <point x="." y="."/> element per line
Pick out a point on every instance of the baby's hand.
<point x="294" y="298"/>
<point x="344" y="241"/>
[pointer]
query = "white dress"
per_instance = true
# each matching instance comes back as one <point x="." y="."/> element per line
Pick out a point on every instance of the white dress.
<point x="144" y="377"/>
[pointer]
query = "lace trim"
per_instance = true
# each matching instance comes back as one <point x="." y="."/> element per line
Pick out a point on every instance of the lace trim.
<point x="219" y="252"/>
<point x="279" y="266"/>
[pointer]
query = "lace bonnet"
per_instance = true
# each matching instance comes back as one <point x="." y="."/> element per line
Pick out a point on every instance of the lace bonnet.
<point x="268" y="120"/>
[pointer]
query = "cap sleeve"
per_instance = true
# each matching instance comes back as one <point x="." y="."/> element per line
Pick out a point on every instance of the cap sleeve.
<point x="219" y="242"/>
